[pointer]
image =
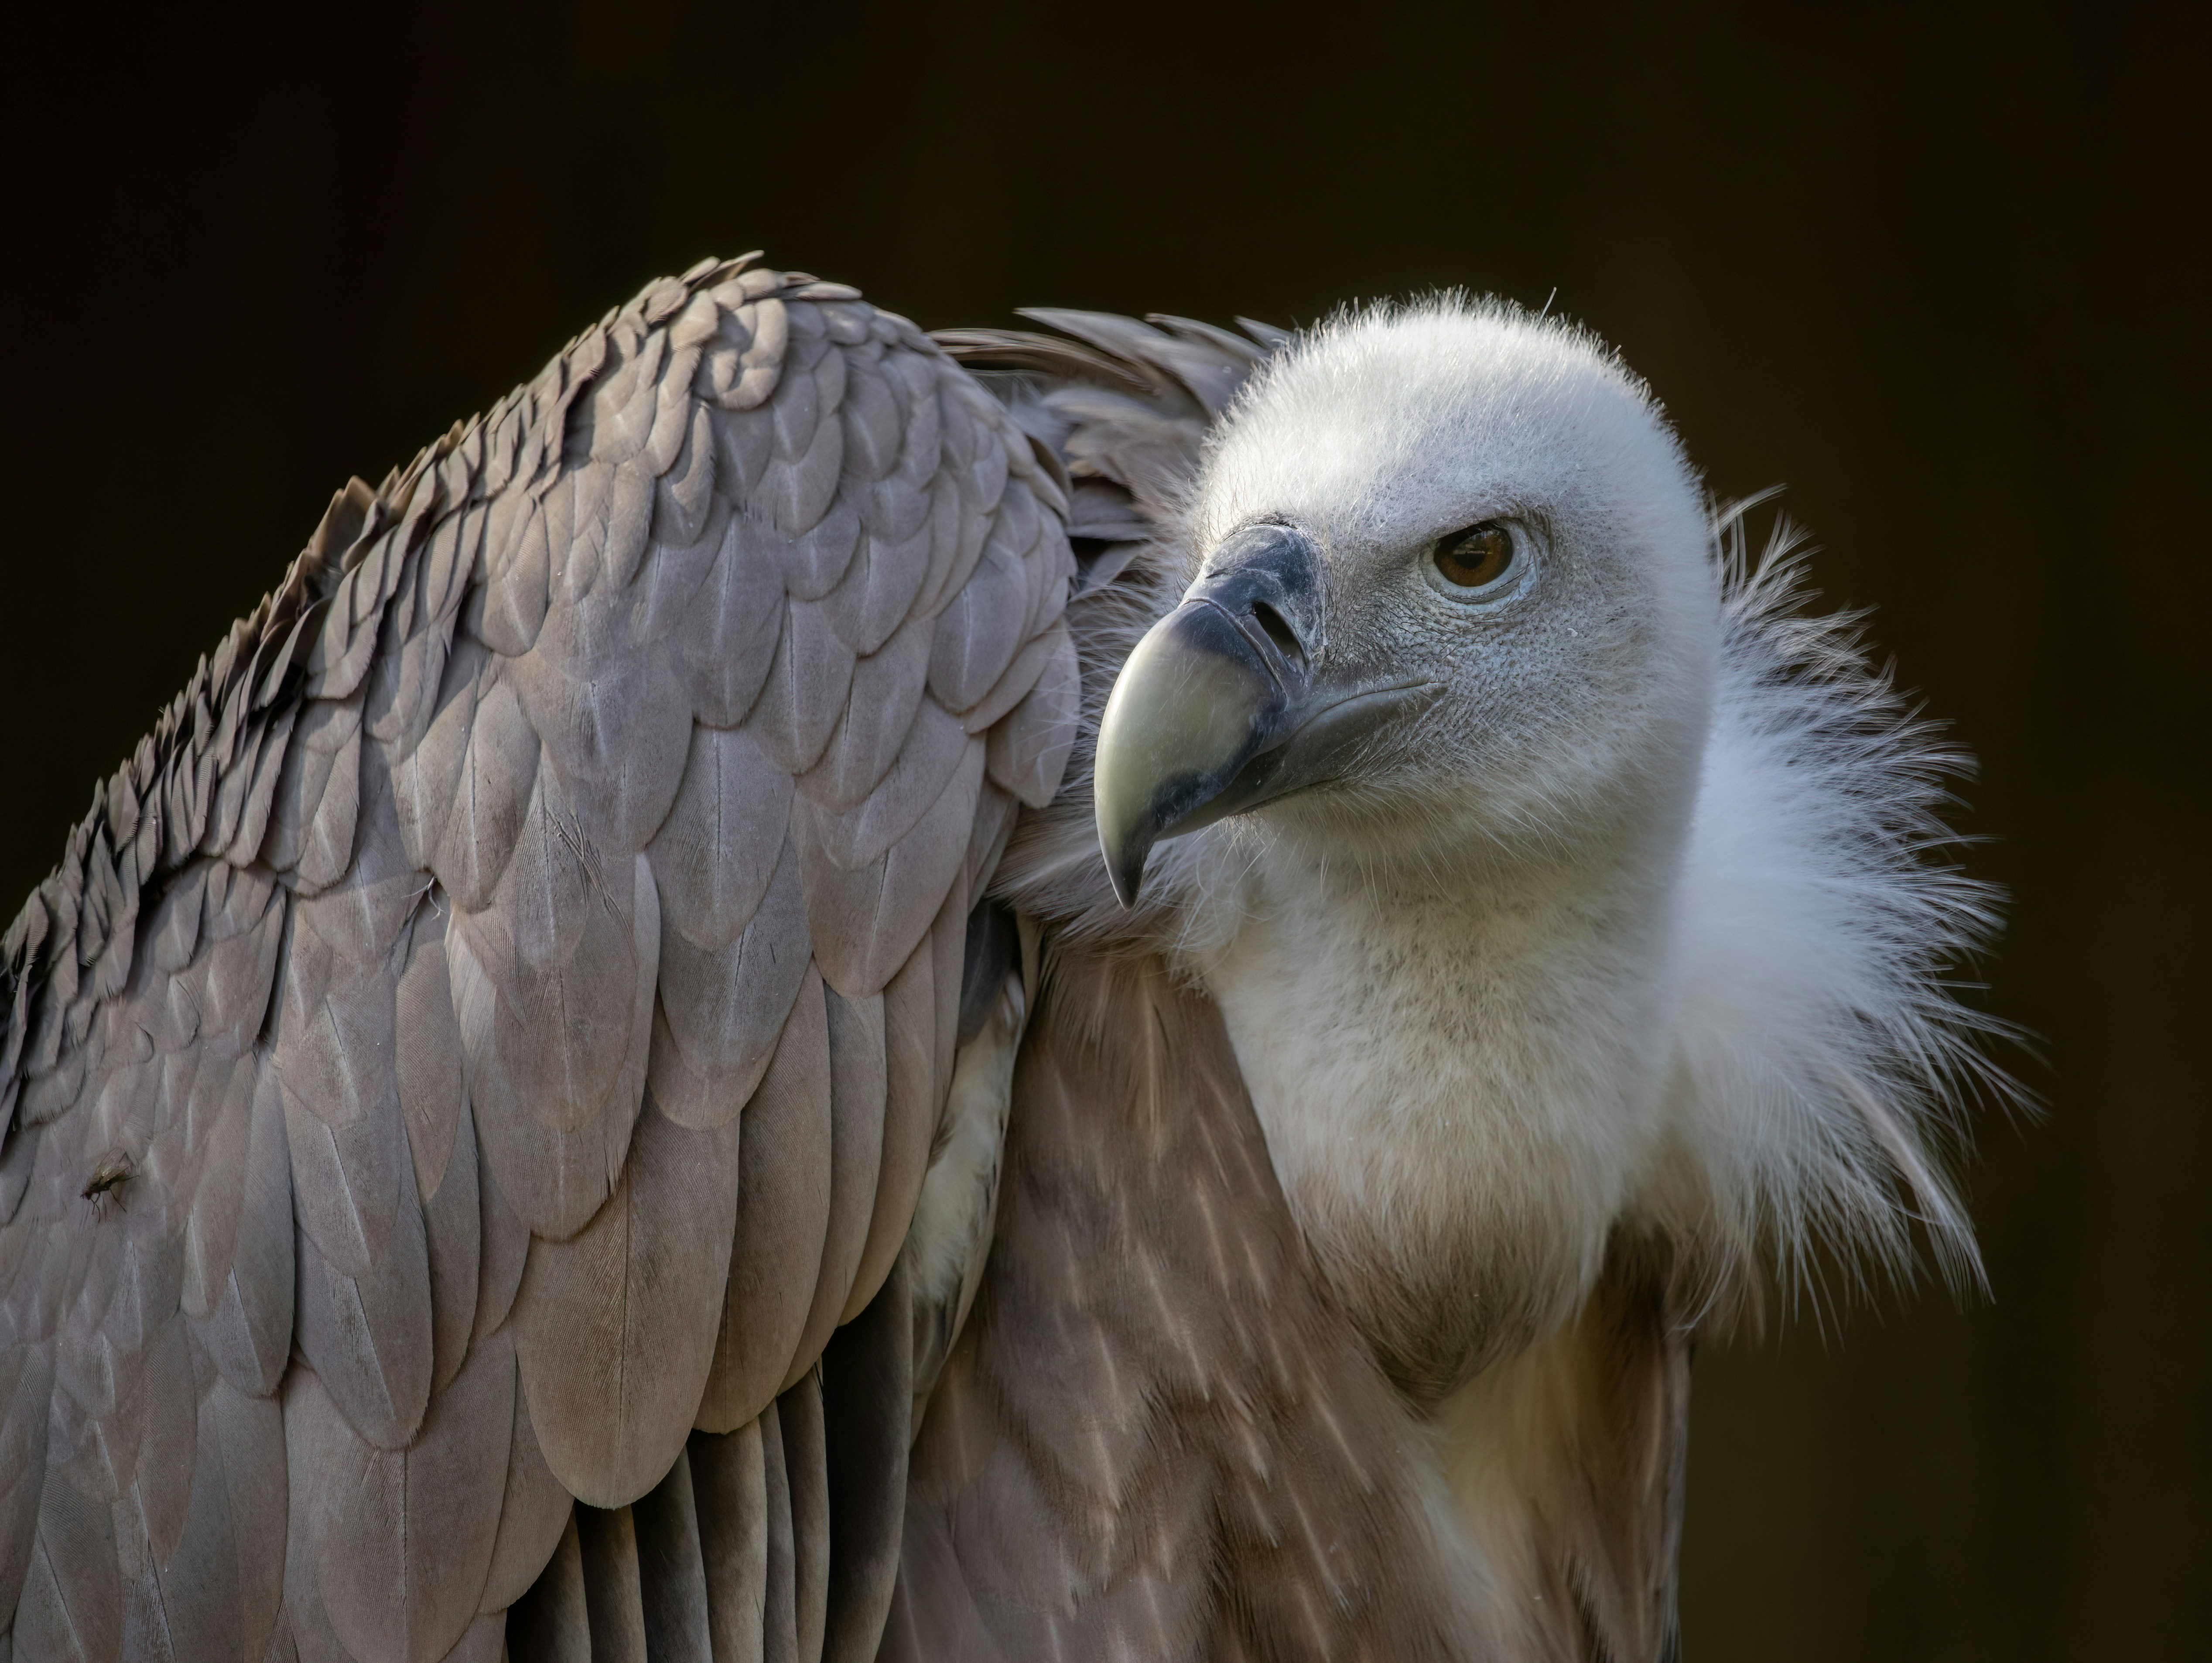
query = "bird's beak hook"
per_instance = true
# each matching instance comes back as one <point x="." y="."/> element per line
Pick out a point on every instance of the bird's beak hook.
<point x="1210" y="687"/>
<point x="1229" y="702"/>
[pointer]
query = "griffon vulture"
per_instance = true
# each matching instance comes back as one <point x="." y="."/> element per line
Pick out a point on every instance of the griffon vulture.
<point x="823" y="993"/>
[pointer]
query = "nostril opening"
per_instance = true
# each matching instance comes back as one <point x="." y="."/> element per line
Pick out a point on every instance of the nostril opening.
<point x="1280" y="632"/>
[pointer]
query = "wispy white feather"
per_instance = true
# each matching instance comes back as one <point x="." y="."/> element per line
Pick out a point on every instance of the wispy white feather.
<point x="1822" y="1055"/>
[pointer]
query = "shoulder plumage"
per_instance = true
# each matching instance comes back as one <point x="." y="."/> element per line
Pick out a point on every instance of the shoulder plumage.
<point x="1130" y="406"/>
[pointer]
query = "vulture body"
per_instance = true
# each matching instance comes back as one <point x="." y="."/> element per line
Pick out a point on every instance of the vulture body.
<point x="588" y="1093"/>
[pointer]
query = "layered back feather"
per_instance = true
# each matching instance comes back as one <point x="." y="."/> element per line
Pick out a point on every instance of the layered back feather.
<point x="476" y="1062"/>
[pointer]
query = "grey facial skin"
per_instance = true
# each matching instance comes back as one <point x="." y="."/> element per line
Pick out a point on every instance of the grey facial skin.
<point x="1230" y="701"/>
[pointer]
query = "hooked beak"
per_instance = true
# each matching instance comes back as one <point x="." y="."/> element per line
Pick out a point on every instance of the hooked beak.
<point x="1223" y="706"/>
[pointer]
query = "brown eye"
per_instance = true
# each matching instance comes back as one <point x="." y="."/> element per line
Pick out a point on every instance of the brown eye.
<point x="1475" y="558"/>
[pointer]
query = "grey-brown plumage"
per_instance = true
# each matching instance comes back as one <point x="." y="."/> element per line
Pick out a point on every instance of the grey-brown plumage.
<point x="1173" y="1443"/>
<point x="586" y="1095"/>
<point x="509" y="993"/>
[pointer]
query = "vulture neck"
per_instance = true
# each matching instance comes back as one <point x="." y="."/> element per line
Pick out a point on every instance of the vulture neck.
<point x="1459" y="1077"/>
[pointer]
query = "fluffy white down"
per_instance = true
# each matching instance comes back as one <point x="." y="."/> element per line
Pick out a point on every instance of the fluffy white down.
<point x="1821" y="1058"/>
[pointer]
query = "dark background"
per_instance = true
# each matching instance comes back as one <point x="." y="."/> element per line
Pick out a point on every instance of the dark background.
<point x="1940" y="269"/>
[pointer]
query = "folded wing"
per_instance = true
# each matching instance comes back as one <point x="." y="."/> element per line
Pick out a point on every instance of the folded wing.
<point x="484" y="1050"/>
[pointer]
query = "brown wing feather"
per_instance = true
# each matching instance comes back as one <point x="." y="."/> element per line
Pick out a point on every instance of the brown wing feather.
<point x="867" y="1379"/>
<point x="672" y="1571"/>
<point x="730" y="1494"/>
<point x="361" y="968"/>
<point x="552" y="1623"/>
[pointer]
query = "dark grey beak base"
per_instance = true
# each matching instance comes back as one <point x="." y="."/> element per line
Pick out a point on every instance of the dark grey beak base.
<point x="1221" y="707"/>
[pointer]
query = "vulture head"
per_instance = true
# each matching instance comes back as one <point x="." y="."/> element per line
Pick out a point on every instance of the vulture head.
<point x="1453" y="602"/>
<point x="1519" y="869"/>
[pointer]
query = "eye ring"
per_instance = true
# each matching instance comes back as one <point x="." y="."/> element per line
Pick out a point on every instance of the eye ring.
<point x="1477" y="561"/>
